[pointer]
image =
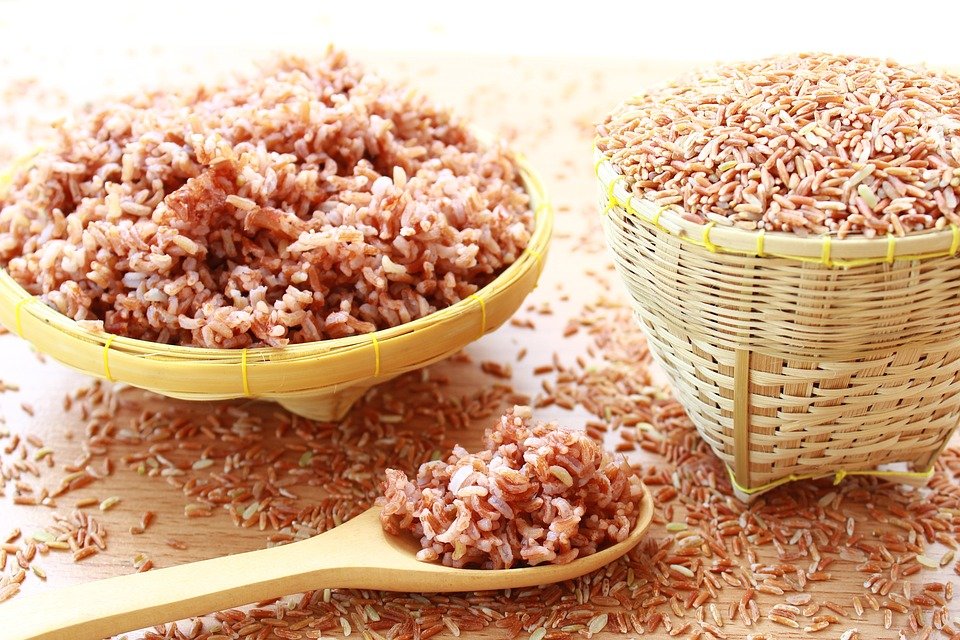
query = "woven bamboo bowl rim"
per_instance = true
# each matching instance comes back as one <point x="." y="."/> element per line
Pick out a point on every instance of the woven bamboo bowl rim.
<point x="825" y="249"/>
<point x="295" y="371"/>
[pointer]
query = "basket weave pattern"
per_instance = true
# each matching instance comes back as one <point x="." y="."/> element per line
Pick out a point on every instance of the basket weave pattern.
<point x="791" y="368"/>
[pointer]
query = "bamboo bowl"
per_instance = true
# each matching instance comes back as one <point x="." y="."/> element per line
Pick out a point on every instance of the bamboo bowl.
<point x="797" y="357"/>
<point x="318" y="380"/>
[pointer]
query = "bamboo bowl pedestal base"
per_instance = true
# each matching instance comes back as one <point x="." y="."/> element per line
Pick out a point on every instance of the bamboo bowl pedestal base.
<point x="329" y="404"/>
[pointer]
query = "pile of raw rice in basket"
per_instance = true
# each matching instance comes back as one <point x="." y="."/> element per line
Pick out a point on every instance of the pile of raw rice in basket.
<point x="812" y="144"/>
<point x="310" y="200"/>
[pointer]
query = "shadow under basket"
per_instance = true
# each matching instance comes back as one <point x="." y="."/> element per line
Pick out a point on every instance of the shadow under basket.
<point x="797" y="357"/>
<point x="318" y="380"/>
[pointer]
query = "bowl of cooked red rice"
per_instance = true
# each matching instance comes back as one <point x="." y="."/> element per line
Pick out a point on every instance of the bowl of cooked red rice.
<point x="299" y="232"/>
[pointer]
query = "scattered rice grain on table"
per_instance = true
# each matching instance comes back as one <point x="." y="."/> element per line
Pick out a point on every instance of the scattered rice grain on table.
<point x="811" y="143"/>
<point x="786" y="539"/>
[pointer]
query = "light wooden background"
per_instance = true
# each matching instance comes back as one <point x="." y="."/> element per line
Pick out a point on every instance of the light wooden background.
<point x="547" y="105"/>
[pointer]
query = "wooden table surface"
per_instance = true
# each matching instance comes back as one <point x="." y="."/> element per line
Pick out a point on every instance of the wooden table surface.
<point x="547" y="106"/>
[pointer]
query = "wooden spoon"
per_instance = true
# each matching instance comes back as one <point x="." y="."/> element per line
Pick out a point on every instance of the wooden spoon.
<point x="355" y="555"/>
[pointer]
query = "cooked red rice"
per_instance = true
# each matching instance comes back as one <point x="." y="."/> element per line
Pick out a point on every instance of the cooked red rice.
<point x="310" y="200"/>
<point x="811" y="143"/>
<point x="538" y="493"/>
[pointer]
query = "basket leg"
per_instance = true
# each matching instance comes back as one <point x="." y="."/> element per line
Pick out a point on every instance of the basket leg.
<point x="741" y="419"/>
<point x="929" y="462"/>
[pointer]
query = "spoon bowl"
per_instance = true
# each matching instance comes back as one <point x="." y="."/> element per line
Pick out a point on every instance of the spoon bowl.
<point x="358" y="554"/>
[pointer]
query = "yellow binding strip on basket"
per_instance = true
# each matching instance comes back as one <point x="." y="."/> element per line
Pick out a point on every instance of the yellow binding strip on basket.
<point x="243" y="373"/>
<point x="17" y="311"/>
<point x="376" y="355"/>
<point x="612" y="199"/>
<point x="838" y="477"/>
<point x="611" y="204"/>
<point x="826" y="254"/>
<point x="596" y="164"/>
<point x="106" y="358"/>
<point x="656" y="217"/>
<point x="707" y="244"/>
<point x="483" y="314"/>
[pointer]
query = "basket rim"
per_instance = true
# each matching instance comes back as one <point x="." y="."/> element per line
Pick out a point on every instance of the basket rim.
<point x="28" y="306"/>
<point x="826" y="249"/>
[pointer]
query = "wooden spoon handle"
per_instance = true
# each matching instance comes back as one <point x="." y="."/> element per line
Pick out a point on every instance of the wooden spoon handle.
<point x="104" y="608"/>
<point x="101" y="609"/>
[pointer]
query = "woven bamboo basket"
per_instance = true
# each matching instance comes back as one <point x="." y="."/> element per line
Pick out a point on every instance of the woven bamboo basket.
<point x="797" y="357"/>
<point x="319" y="380"/>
